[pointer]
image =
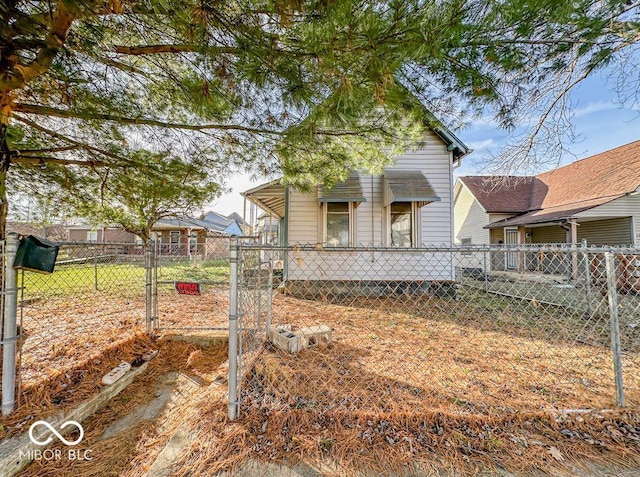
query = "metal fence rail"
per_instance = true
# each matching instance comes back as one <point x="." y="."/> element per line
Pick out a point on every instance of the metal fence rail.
<point x="470" y="329"/>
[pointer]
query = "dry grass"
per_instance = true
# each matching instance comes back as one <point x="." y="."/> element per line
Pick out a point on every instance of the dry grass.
<point x="66" y="389"/>
<point x="357" y="443"/>
<point x="209" y="310"/>
<point x="131" y="451"/>
<point x="448" y="391"/>
<point x="448" y="360"/>
<point x="62" y="331"/>
<point x="461" y="390"/>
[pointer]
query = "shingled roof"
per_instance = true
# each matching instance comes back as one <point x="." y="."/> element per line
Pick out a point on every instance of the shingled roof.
<point x="501" y="194"/>
<point x="562" y="192"/>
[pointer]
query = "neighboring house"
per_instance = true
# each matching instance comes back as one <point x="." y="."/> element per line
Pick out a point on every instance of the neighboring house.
<point x="240" y="222"/>
<point x="220" y="224"/>
<point x="267" y="227"/>
<point x="88" y="233"/>
<point x="57" y="232"/>
<point x="187" y="236"/>
<point x="407" y="206"/>
<point x="596" y="199"/>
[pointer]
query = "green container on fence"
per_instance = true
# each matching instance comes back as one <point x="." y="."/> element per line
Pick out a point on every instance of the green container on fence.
<point x="36" y="255"/>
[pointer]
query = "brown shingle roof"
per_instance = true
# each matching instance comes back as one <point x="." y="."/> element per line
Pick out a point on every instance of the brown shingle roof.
<point x="562" y="192"/>
<point x="551" y="214"/>
<point x="611" y="173"/>
<point x="501" y="194"/>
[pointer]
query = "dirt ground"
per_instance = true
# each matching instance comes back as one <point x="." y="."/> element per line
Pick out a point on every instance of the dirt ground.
<point x="457" y="360"/>
<point x="464" y="390"/>
<point x="62" y="331"/>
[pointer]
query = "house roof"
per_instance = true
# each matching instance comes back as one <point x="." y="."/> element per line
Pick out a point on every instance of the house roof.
<point x="173" y="222"/>
<point x="236" y="216"/>
<point x="563" y="192"/>
<point x="269" y="196"/>
<point x="215" y="222"/>
<point x="612" y="173"/>
<point x="501" y="194"/>
<point x="551" y="214"/>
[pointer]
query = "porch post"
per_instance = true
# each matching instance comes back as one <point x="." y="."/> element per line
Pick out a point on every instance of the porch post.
<point x="522" y="257"/>
<point x="574" y="255"/>
<point x="189" y="243"/>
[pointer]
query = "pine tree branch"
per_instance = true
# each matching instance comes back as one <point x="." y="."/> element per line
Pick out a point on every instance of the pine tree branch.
<point x="158" y="49"/>
<point x="37" y="160"/>
<point x="89" y="115"/>
<point x="68" y="140"/>
<point x="20" y="75"/>
<point x="23" y="152"/>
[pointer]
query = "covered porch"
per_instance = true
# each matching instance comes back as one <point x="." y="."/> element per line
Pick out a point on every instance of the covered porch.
<point x="271" y="197"/>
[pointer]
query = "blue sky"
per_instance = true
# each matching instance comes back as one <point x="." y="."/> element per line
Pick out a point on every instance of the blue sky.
<point x="601" y="123"/>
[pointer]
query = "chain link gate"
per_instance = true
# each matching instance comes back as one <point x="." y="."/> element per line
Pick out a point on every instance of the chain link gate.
<point x="188" y="286"/>
<point x="472" y="329"/>
<point x="252" y="283"/>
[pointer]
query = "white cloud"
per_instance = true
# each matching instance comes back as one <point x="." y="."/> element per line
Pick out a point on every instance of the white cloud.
<point x="479" y="145"/>
<point x="591" y="108"/>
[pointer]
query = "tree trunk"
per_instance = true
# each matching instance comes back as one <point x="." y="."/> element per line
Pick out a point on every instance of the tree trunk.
<point x="5" y="162"/>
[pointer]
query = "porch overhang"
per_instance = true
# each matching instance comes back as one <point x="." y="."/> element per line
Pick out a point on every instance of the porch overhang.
<point x="269" y="197"/>
<point x="551" y="215"/>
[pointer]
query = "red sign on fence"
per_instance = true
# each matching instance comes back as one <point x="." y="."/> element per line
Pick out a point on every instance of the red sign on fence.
<point x="188" y="288"/>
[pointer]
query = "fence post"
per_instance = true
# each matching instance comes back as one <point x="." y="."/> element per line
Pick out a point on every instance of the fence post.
<point x="148" y="264"/>
<point x="233" y="328"/>
<point x="95" y="268"/>
<point x="269" y="293"/>
<point x="486" y="273"/>
<point x="587" y="275"/>
<point x="616" y="347"/>
<point x="10" y="334"/>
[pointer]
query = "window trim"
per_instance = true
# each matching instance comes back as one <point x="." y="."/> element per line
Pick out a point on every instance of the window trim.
<point x="416" y="224"/>
<point x="462" y="244"/>
<point x="351" y="208"/>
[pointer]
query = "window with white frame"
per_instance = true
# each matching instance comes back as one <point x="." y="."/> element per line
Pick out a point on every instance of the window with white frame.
<point x="174" y="240"/>
<point x="92" y="236"/>
<point x="466" y="242"/>
<point x="338" y="223"/>
<point x="403" y="230"/>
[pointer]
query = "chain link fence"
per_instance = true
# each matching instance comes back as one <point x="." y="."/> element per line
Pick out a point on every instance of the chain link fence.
<point x="190" y="289"/>
<point x="95" y="298"/>
<point x="476" y="329"/>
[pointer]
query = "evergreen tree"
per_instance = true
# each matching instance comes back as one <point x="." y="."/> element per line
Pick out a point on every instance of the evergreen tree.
<point x="310" y="87"/>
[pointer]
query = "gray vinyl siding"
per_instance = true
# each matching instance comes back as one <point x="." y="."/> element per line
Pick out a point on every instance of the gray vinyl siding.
<point x="370" y="213"/>
<point x="549" y="234"/>
<point x="436" y="221"/>
<point x="303" y="217"/>
<point x="628" y="206"/>
<point x="435" y="162"/>
<point x="606" y="232"/>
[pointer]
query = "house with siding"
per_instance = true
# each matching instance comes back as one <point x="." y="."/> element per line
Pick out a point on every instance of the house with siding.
<point x="407" y="206"/>
<point x="596" y="199"/>
<point x="177" y="236"/>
